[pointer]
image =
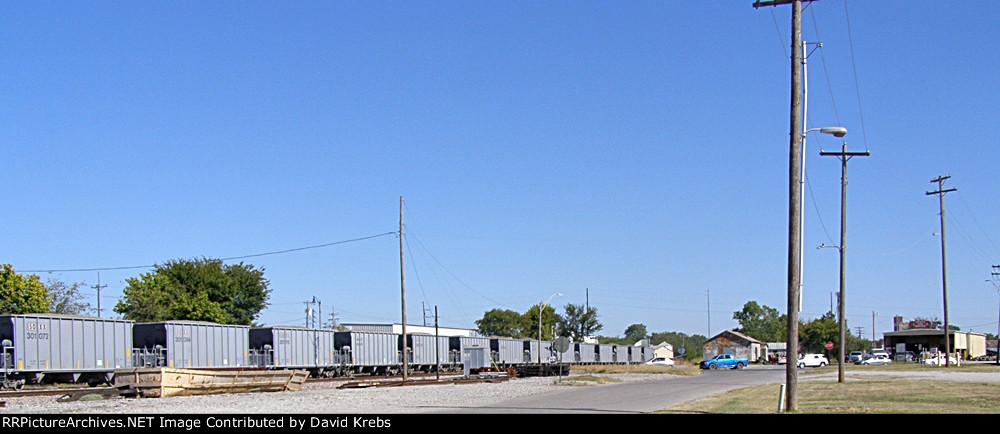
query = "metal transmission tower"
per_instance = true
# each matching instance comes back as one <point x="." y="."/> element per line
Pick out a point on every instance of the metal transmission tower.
<point x="844" y="156"/>
<point x="944" y="267"/>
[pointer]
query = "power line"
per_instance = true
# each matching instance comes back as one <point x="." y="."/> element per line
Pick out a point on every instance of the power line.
<point x="222" y="259"/>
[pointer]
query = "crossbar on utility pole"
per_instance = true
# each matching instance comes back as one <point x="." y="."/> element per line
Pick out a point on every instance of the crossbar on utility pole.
<point x="844" y="156"/>
<point x="944" y="267"/>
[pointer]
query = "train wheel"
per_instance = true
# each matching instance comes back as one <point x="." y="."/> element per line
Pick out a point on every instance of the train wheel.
<point x="12" y="384"/>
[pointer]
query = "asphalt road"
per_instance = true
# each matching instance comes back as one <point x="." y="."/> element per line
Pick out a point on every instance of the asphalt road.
<point x="634" y="398"/>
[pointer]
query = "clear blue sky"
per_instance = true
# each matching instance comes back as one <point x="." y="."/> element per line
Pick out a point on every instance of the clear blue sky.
<point x="635" y="151"/>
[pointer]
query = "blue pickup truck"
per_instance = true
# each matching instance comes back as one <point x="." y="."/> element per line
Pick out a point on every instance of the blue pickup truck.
<point x="724" y="360"/>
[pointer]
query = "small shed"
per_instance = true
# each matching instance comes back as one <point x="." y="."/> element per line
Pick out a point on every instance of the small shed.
<point x="737" y="344"/>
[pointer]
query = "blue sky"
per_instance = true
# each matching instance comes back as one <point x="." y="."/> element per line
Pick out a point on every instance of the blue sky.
<point x="633" y="155"/>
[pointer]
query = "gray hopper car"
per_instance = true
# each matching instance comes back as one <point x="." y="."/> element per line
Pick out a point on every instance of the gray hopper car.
<point x="368" y="352"/>
<point x="55" y="347"/>
<point x="190" y="345"/>
<point x="289" y="347"/>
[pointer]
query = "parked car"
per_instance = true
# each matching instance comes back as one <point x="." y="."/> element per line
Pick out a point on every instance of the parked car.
<point x="724" y="360"/>
<point x="937" y="360"/>
<point x="856" y="356"/>
<point x="908" y="356"/>
<point x="879" y="352"/>
<point x="663" y="361"/>
<point x="879" y="359"/>
<point x="813" y="360"/>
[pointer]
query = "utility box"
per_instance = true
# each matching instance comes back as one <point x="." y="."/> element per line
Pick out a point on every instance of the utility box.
<point x="475" y="358"/>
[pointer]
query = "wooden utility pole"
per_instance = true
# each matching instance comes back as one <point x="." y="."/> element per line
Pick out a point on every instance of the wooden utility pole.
<point x="437" y="351"/>
<point x="944" y="267"/>
<point x="794" y="204"/>
<point x="402" y="285"/>
<point x="844" y="156"/>
<point x="99" y="287"/>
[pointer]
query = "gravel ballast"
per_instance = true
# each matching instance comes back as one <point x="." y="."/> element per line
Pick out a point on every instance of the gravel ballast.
<point x="314" y="398"/>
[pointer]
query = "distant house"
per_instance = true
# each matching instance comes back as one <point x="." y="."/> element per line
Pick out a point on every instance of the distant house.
<point x="735" y="343"/>
<point x="663" y="349"/>
<point x="776" y="350"/>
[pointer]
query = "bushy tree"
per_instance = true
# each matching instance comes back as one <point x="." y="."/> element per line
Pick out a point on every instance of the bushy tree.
<point x="501" y="322"/>
<point x="636" y="332"/>
<point x="579" y="321"/>
<point x="199" y="290"/>
<point x="22" y="293"/>
<point x="529" y="322"/>
<point x="66" y="298"/>
<point x="814" y="334"/>
<point x="763" y="323"/>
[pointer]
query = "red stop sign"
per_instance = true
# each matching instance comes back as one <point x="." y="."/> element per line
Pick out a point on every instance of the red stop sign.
<point x="829" y="345"/>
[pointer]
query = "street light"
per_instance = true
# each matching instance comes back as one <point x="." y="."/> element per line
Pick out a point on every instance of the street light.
<point x="836" y="132"/>
<point x="540" y="307"/>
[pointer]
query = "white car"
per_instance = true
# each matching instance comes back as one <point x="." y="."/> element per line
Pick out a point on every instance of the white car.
<point x="813" y="360"/>
<point x="663" y="361"/>
<point x="938" y="360"/>
<point x="878" y="359"/>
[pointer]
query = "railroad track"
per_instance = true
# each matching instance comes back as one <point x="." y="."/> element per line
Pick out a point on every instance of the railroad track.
<point x="67" y="393"/>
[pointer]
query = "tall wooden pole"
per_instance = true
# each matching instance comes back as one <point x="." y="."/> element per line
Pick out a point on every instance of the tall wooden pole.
<point x="794" y="204"/>
<point x="841" y="309"/>
<point x="944" y="265"/>
<point x="402" y="287"/>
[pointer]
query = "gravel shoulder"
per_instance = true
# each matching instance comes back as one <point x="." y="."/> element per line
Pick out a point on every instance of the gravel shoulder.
<point x="314" y="398"/>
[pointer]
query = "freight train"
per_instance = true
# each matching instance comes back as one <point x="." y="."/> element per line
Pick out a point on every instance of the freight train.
<point x="39" y="348"/>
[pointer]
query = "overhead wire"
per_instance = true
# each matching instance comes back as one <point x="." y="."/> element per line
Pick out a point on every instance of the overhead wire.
<point x="278" y="252"/>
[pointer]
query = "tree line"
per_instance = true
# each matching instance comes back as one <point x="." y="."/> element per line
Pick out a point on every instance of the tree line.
<point x="209" y="290"/>
<point x="197" y="290"/>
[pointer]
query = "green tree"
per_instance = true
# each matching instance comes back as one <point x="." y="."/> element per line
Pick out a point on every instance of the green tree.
<point x="814" y="335"/>
<point x="199" y="290"/>
<point x="579" y="321"/>
<point x="501" y="322"/>
<point x="636" y="332"/>
<point x="66" y="298"/>
<point x="763" y="323"/>
<point x="529" y="322"/>
<point x="692" y="346"/>
<point x="20" y="293"/>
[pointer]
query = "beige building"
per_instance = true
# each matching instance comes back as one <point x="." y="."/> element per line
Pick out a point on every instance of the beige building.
<point x="663" y="349"/>
<point x="921" y="336"/>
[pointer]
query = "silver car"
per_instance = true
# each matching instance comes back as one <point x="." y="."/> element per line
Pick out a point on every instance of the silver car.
<point x="878" y="359"/>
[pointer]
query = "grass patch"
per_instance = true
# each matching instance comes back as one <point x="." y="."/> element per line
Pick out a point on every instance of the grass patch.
<point x="584" y="380"/>
<point x="866" y="396"/>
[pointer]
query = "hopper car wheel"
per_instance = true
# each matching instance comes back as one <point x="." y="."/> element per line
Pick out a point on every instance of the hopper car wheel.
<point x="12" y="384"/>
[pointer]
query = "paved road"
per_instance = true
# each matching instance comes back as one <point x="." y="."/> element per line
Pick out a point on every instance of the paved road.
<point x="638" y="397"/>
